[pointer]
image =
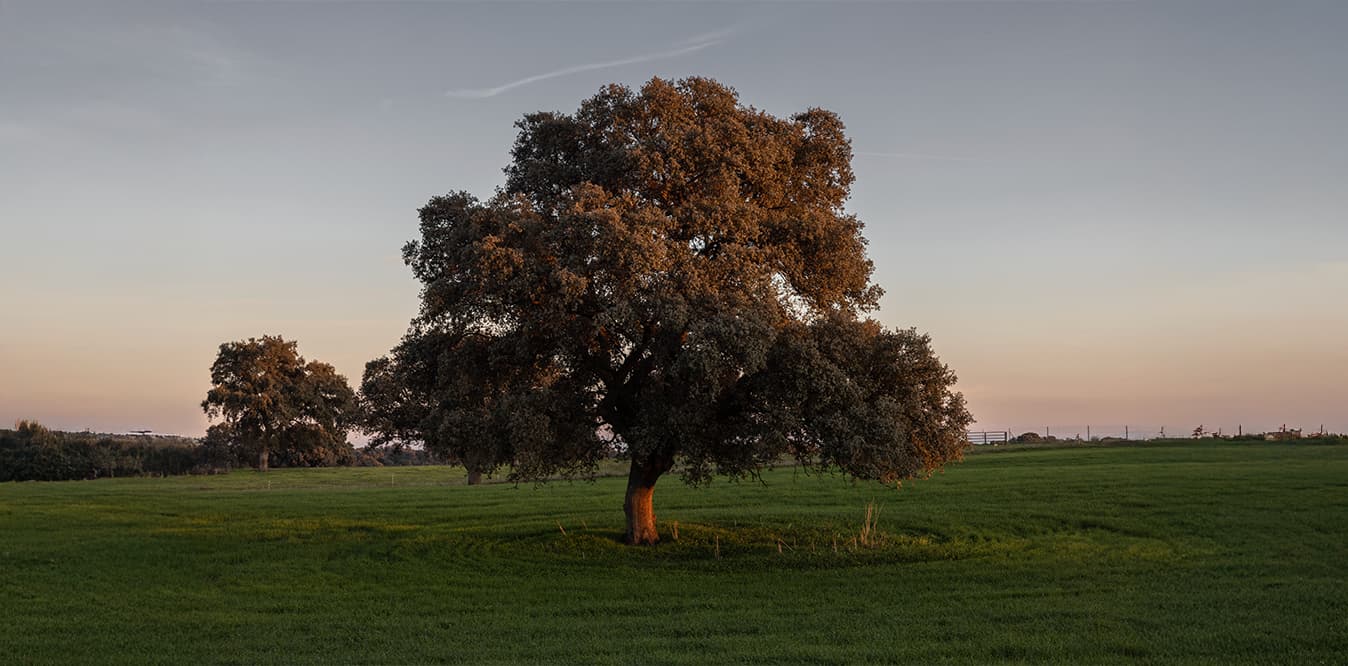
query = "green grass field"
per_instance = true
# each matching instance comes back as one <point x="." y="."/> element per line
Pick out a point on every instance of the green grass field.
<point x="1204" y="552"/>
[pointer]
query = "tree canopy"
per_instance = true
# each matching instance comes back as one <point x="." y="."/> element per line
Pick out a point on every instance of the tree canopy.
<point x="671" y="275"/>
<point x="272" y="401"/>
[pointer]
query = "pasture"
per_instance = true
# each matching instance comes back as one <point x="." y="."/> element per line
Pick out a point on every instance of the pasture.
<point x="1195" y="552"/>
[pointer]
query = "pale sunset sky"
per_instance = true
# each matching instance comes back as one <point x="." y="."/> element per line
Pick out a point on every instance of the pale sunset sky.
<point x="1105" y="212"/>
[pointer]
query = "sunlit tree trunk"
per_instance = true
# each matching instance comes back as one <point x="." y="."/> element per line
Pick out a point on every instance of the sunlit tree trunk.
<point x="639" y="504"/>
<point x="263" y="457"/>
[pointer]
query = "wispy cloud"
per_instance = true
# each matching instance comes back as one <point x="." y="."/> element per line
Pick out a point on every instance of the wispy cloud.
<point x="685" y="47"/>
<point x="708" y="38"/>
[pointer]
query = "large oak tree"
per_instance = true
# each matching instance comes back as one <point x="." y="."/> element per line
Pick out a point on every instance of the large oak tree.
<point x="671" y="275"/>
<point x="271" y="400"/>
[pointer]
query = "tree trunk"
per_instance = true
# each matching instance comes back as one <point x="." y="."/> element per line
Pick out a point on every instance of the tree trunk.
<point x="262" y="458"/>
<point x="474" y="477"/>
<point x="639" y="504"/>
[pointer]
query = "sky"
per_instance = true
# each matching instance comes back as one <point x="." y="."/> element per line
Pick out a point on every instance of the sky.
<point x="1104" y="213"/>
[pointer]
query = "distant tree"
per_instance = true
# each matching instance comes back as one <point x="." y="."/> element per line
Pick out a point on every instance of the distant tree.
<point x="673" y="275"/>
<point x="272" y="401"/>
<point x="34" y="432"/>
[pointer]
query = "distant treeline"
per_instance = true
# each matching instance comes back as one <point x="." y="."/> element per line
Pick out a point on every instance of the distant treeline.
<point x="32" y="452"/>
<point x="1294" y="437"/>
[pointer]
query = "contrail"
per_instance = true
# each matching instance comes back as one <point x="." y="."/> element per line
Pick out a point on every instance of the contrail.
<point x="697" y="44"/>
<point x="921" y="156"/>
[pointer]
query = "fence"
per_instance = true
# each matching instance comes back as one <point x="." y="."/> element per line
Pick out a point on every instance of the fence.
<point x="983" y="437"/>
<point x="1091" y="432"/>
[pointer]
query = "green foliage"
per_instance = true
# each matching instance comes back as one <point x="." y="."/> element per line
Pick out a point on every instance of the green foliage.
<point x="274" y="403"/>
<point x="1187" y="552"/>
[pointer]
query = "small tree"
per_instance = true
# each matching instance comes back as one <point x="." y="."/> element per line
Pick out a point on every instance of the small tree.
<point x="673" y="274"/>
<point x="273" y="401"/>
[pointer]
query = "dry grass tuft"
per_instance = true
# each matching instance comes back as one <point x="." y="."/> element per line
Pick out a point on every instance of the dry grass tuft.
<point x="870" y="527"/>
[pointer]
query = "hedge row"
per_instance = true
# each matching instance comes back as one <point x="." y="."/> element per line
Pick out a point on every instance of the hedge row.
<point x="33" y="453"/>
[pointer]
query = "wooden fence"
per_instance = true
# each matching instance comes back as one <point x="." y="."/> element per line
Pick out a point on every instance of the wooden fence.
<point x="984" y="437"/>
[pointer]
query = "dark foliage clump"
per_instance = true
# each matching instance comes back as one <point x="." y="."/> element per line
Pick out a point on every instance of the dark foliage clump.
<point x="31" y="452"/>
